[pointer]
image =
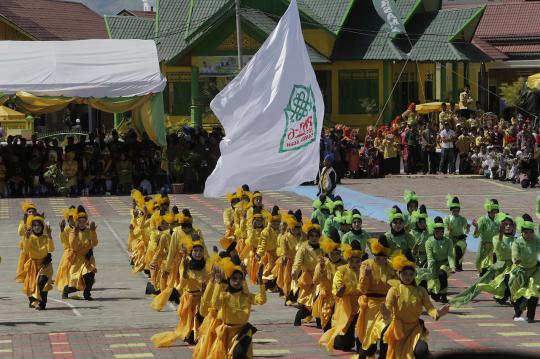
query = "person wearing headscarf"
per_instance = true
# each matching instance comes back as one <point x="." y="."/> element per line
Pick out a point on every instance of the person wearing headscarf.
<point x="159" y="238"/>
<point x="303" y="269"/>
<point x="141" y="233"/>
<point x="323" y="306"/>
<point x="82" y="241"/>
<point x="29" y="209"/>
<point x="440" y="261"/>
<point x="486" y="228"/>
<point x="66" y="226"/>
<point x="411" y="199"/>
<point x="398" y="238"/>
<point x="194" y="275"/>
<point x="234" y="334"/>
<point x="495" y="279"/>
<point x="327" y="177"/>
<point x="38" y="247"/>
<point x="419" y="231"/>
<point x="456" y="228"/>
<point x="286" y="252"/>
<point x="266" y="250"/>
<point x="356" y="234"/>
<point x="524" y="280"/>
<point x="406" y="335"/>
<point x="345" y="289"/>
<point x="228" y="213"/>
<point x="375" y="273"/>
<point x="336" y="210"/>
<point x="256" y="221"/>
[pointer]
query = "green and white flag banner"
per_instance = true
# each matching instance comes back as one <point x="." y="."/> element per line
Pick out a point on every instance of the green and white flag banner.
<point x="388" y="11"/>
<point x="272" y="113"/>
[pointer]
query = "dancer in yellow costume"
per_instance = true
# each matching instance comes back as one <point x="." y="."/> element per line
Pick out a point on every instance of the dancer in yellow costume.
<point x="193" y="279"/>
<point x="323" y="306"/>
<point x="233" y="335"/>
<point x="406" y="336"/>
<point x="266" y="251"/>
<point x="240" y="215"/>
<point x="38" y="246"/>
<point x="256" y="223"/>
<point x="157" y="251"/>
<point x="66" y="226"/>
<point x="374" y="276"/>
<point x="29" y="209"/>
<point x="82" y="270"/>
<point x="286" y="252"/>
<point x="307" y="257"/>
<point x="345" y="289"/>
<point x="142" y="235"/>
<point x="137" y="213"/>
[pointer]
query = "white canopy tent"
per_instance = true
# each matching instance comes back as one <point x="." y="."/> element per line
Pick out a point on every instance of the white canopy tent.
<point x="88" y="68"/>
<point x="109" y="75"/>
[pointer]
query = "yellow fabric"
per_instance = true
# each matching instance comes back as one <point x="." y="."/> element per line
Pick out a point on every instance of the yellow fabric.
<point x="62" y="274"/>
<point x="23" y="256"/>
<point x="228" y="217"/>
<point x="323" y="306"/>
<point x="370" y="322"/>
<point x="426" y="108"/>
<point x="207" y="335"/>
<point x="37" y="248"/>
<point x="533" y="81"/>
<point x="80" y="243"/>
<point x="248" y="253"/>
<point x="305" y="262"/>
<point x="346" y="305"/>
<point x="406" y="303"/>
<point x="8" y="114"/>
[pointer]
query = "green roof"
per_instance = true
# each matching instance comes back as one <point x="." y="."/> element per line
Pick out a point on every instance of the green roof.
<point x="203" y="12"/>
<point x="171" y="16"/>
<point x="330" y="14"/>
<point x="129" y="27"/>
<point x="430" y="34"/>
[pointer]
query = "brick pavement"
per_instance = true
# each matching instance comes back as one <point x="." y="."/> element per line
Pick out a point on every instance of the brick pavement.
<point x="119" y="323"/>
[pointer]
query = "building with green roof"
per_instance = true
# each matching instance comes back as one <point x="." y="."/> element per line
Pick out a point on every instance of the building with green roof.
<point x="356" y="59"/>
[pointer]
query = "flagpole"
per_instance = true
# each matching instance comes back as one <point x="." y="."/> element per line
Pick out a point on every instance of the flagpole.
<point x="239" y="36"/>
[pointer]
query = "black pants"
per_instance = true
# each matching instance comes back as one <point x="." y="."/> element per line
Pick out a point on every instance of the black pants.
<point x="88" y="283"/>
<point x="42" y="282"/>
<point x="412" y="159"/>
<point x="429" y="162"/>
<point x="531" y="307"/>
<point x="346" y="342"/>
<point x="302" y="313"/>
<point x="459" y="257"/>
<point x="443" y="280"/>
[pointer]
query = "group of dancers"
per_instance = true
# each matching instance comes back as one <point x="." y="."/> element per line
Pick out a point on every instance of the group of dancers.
<point x="77" y="267"/>
<point x="366" y="294"/>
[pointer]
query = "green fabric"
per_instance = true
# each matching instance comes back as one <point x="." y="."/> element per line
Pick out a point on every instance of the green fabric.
<point x="455" y="225"/>
<point x="399" y="243"/>
<point x="319" y="216"/>
<point x="487" y="229"/>
<point x="524" y="282"/>
<point x="361" y="238"/>
<point x="158" y="119"/>
<point x="503" y="247"/>
<point x="526" y="252"/>
<point x="440" y="256"/>
<point x="330" y="223"/>
<point x="419" y="247"/>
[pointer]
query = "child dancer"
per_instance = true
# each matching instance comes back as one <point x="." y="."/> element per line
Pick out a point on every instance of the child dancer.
<point x="398" y="238"/>
<point x="457" y="229"/>
<point x="486" y="229"/>
<point x="29" y="209"/>
<point x="440" y="261"/>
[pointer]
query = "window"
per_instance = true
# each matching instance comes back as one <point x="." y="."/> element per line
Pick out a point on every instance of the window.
<point x="181" y="98"/>
<point x="359" y="92"/>
<point x="324" y="78"/>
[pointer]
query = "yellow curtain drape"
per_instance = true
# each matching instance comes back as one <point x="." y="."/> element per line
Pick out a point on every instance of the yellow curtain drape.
<point x="39" y="105"/>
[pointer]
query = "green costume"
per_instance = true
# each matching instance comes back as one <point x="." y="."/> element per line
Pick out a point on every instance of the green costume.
<point x="525" y="275"/>
<point x="400" y="242"/>
<point x="456" y="229"/>
<point x="331" y="222"/>
<point x="419" y="246"/>
<point x="361" y="238"/>
<point x="318" y="212"/>
<point x="319" y="216"/>
<point x="440" y="257"/>
<point x="487" y="229"/>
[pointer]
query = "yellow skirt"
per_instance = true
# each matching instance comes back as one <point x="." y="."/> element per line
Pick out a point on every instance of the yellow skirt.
<point x="346" y="308"/>
<point x="283" y="274"/>
<point x="207" y="335"/>
<point x="78" y="268"/>
<point x="269" y="261"/>
<point x="227" y="337"/>
<point x="370" y="322"/>
<point x="187" y="321"/>
<point x="23" y="258"/>
<point x="402" y="337"/>
<point x="33" y="269"/>
<point x="139" y="256"/>
<point x="306" y="289"/>
<point x="323" y="307"/>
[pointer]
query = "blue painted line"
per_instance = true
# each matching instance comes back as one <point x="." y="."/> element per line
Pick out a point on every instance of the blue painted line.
<point x="375" y="207"/>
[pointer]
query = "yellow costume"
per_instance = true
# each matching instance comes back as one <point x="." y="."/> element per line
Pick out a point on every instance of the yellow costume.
<point x="234" y="308"/>
<point x="305" y="261"/>
<point x="268" y="244"/>
<point x="207" y="330"/>
<point x="286" y="252"/>
<point x="38" y="268"/>
<point x="252" y="243"/>
<point x="62" y="274"/>
<point x="193" y="280"/>
<point x="27" y="208"/>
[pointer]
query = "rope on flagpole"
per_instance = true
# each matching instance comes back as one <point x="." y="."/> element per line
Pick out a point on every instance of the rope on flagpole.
<point x="393" y="89"/>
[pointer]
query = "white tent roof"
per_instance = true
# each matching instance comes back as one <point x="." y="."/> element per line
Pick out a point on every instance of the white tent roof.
<point x="88" y="68"/>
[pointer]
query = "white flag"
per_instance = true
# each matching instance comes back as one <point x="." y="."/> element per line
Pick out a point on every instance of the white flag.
<point x="272" y="113"/>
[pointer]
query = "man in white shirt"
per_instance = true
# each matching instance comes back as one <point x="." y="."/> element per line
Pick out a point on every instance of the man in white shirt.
<point x="447" y="137"/>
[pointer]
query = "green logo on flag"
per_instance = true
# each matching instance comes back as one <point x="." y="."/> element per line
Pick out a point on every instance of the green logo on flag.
<point x="301" y="119"/>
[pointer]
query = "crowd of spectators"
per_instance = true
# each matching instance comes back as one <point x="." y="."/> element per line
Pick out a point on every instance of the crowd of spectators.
<point x="105" y="164"/>
<point x="465" y="141"/>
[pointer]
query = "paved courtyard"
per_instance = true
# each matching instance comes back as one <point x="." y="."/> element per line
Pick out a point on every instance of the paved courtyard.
<point x="119" y="322"/>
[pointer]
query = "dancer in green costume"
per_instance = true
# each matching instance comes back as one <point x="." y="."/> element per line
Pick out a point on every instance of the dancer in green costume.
<point x="336" y="208"/>
<point x="456" y="228"/>
<point x="486" y="229"/>
<point x="420" y="233"/>
<point x="524" y="281"/>
<point x="398" y="238"/>
<point x="356" y="234"/>
<point x="321" y="209"/>
<point x="495" y="280"/>
<point x="411" y="199"/>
